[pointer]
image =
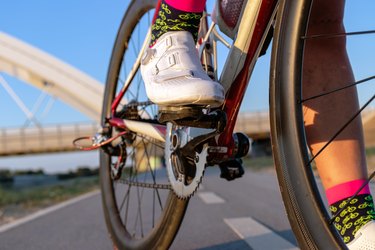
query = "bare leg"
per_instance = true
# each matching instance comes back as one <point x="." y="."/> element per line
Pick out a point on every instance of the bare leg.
<point x="327" y="67"/>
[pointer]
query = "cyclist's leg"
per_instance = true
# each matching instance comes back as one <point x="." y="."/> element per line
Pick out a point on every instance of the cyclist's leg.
<point x="171" y="69"/>
<point x="327" y="67"/>
<point x="174" y="15"/>
<point x="342" y="165"/>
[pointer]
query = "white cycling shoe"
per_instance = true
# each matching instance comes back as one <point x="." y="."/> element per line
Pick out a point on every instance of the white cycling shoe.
<point x="364" y="238"/>
<point x="174" y="76"/>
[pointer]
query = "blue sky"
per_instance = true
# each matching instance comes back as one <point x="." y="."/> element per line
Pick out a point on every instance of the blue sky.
<point x="82" y="34"/>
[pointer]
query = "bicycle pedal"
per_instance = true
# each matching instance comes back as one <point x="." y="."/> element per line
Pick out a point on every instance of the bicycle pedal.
<point x="193" y="116"/>
<point x="170" y="113"/>
<point x="231" y="170"/>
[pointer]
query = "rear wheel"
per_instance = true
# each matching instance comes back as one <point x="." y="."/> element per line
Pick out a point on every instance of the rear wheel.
<point x="141" y="211"/>
<point x="300" y="184"/>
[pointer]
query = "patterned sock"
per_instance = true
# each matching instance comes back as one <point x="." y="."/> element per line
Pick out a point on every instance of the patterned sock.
<point x="350" y="216"/>
<point x="357" y="213"/>
<point x="175" y="15"/>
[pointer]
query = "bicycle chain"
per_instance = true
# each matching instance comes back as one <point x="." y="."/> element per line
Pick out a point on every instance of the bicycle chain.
<point x="145" y="184"/>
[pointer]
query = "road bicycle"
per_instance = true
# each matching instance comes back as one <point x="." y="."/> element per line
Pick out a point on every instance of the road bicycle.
<point x="152" y="158"/>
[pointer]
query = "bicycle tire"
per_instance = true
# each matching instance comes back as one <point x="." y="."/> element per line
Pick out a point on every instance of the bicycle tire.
<point x="172" y="210"/>
<point x="308" y="216"/>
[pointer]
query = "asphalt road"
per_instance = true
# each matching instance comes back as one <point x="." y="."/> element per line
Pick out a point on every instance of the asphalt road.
<point x="243" y="214"/>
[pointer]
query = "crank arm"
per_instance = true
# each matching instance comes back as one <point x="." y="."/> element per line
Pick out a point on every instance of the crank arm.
<point x="197" y="136"/>
<point x="198" y="140"/>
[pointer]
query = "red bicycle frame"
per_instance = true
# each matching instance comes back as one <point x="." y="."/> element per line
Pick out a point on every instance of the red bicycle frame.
<point x="247" y="56"/>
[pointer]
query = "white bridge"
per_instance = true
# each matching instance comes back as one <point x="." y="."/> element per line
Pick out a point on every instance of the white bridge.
<point x="85" y="94"/>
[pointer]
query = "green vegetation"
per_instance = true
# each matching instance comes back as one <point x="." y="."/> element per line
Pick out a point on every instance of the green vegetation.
<point x="370" y="151"/>
<point x="22" y="192"/>
<point x="80" y="172"/>
<point x="258" y="163"/>
<point x="28" y="172"/>
<point x="6" y="176"/>
<point x="42" y="196"/>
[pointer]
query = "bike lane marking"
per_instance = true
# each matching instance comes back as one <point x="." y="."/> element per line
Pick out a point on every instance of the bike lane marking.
<point x="257" y="236"/>
<point x="210" y="198"/>
<point x="45" y="211"/>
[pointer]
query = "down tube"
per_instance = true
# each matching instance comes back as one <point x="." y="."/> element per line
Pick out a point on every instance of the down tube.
<point x="237" y="90"/>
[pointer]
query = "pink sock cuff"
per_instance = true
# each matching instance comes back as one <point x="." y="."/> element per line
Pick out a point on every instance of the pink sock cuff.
<point x="187" y="5"/>
<point x="346" y="190"/>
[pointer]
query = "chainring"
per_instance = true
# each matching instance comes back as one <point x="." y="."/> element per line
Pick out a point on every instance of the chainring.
<point x="185" y="173"/>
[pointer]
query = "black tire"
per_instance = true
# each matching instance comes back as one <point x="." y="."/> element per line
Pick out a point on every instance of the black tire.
<point x="144" y="217"/>
<point x="305" y="207"/>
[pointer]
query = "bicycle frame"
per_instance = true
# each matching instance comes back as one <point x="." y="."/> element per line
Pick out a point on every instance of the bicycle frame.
<point x="256" y="20"/>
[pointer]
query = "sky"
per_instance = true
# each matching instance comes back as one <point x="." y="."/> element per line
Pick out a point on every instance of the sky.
<point x="81" y="33"/>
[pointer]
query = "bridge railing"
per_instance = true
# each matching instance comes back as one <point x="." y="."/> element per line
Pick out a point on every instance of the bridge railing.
<point x="59" y="137"/>
<point x="44" y="139"/>
<point x="254" y="124"/>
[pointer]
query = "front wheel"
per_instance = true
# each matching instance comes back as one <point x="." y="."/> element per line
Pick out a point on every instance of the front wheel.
<point x="290" y="103"/>
<point x="140" y="208"/>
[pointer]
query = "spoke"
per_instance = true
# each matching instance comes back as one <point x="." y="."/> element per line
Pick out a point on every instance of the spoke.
<point x="124" y="65"/>
<point x="128" y="91"/>
<point x="139" y="194"/>
<point x="139" y="36"/>
<point x="140" y="179"/>
<point x="154" y="178"/>
<point x="153" y="208"/>
<point x="328" y="36"/>
<point x="139" y="84"/>
<point x="339" y="89"/>
<point x="340" y="130"/>
<point x="124" y="199"/>
<point x="139" y="211"/>
<point x="127" y="206"/>
<point x="154" y="143"/>
<point x="134" y="47"/>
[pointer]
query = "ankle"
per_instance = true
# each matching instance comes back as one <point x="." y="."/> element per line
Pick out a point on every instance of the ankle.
<point x="168" y="18"/>
<point x="351" y="216"/>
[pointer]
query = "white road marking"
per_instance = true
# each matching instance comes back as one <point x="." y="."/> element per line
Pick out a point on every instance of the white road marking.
<point x="210" y="198"/>
<point x="257" y="236"/>
<point x="45" y="211"/>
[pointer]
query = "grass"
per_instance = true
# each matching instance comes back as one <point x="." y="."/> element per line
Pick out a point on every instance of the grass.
<point x="370" y="151"/>
<point x="258" y="163"/>
<point x="42" y="196"/>
<point x="32" y="198"/>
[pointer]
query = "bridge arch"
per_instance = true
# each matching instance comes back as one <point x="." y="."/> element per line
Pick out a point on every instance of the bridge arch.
<point x="84" y="93"/>
<point x="43" y="71"/>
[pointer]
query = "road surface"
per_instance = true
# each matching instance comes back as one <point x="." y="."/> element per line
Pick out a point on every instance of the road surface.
<point x="243" y="214"/>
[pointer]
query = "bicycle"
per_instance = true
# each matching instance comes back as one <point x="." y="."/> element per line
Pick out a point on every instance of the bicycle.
<point x="138" y="137"/>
